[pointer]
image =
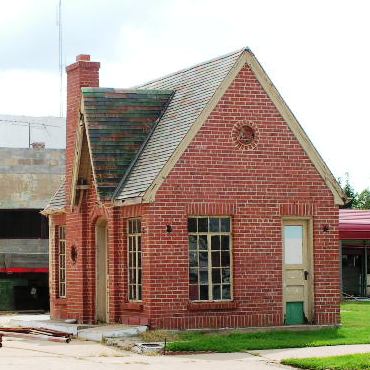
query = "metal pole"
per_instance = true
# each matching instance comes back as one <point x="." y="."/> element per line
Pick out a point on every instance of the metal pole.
<point x="29" y="134"/>
<point x="365" y="272"/>
<point x="341" y="265"/>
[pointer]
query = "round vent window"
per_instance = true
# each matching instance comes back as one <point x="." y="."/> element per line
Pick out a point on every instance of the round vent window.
<point x="245" y="135"/>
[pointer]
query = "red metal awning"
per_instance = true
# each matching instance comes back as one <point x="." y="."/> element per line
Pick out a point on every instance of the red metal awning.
<point x="354" y="224"/>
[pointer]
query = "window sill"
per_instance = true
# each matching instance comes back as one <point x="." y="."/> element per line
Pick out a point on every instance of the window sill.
<point x="133" y="306"/>
<point x="207" y="306"/>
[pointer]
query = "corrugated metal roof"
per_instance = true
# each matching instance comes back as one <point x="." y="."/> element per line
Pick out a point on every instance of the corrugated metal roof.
<point x="354" y="224"/>
<point x="118" y="123"/>
<point x="193" y="87"/>
<point x="354" y="216"/>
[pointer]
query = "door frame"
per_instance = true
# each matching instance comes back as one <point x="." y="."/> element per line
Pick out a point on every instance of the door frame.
<point x="307" y="223"/>
<point x="100" y="225"/>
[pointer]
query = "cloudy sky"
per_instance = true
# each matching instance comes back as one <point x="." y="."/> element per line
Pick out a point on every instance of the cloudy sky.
<point x="316" y="52"/>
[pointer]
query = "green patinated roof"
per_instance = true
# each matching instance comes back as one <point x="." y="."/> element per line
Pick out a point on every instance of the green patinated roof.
<point x="118" y="124"/>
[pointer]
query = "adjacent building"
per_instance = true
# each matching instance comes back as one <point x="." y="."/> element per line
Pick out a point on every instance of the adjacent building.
<point x="354" y="232"/>
<point x="193" y="201"/>
<point x="28" y="177"/>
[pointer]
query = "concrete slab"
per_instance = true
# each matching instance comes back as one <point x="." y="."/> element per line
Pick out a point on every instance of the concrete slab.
<point x="6" y="318"/>
<point x="94" y="333"/>
<point x="79" y="355"/>
<point x="97" y="334"/>
<point x="324" y="351"/>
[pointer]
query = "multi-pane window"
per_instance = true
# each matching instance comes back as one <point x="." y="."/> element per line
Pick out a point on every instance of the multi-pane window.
<point x="62" y="261"/>
<point x="134" y="260"/>
<point x="210" y="270"/>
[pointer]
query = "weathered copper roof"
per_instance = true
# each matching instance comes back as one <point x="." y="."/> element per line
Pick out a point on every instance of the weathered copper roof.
<point x="118" y="122"/>
<point x="168" y="107"/>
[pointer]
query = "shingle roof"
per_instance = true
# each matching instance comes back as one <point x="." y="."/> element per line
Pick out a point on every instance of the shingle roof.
<point x="187" y="92"/>
<point x="117" y="123"/>
<point x="58" y="201"/>
<point x="196" y="90"/>
<point x="193" y="87"/>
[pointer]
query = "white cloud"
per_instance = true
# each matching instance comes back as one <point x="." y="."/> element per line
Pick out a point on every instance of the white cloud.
<point x="315" y="52"/>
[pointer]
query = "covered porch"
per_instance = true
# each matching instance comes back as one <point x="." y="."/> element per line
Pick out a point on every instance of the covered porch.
<point x="354" y="234"/>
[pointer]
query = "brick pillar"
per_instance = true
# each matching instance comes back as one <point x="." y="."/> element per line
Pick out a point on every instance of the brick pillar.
<point x="82" y="73"/>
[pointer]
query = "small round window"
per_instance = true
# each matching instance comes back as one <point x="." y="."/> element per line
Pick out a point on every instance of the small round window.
<point x="245" y="135"/>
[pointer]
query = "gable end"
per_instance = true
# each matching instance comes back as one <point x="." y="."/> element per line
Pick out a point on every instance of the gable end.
<point x="248" y="58"/>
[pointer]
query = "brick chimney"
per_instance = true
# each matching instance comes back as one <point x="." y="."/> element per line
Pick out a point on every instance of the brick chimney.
<point x="82" y="73"/>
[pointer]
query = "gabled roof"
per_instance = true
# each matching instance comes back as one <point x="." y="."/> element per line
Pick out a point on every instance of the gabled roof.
<point x="194" y="87"/>
<point x="197" y="91"/>
<point x="58" y="201"/>
<point x="118" y="122"/>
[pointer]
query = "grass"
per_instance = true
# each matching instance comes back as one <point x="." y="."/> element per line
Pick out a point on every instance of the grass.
<point x="347" y="362"/>
<point x="355" y="330"/>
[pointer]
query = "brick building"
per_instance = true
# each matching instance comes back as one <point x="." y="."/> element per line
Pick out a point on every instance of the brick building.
<point x="192" y="201"/>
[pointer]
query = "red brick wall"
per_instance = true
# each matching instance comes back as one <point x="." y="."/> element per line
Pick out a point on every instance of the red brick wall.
<point x="256" y="188"/>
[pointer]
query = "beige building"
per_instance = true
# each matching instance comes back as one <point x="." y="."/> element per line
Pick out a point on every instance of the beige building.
<point x="28" y="178"/>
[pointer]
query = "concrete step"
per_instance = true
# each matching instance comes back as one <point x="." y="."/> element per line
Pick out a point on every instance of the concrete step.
<point x="99" y="333"/>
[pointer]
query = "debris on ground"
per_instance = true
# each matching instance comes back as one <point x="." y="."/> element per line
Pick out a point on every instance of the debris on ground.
<point x="149" y="348"/>
<point x="35" y="333"/>
<point x="136" y="345"/>
<point x="124" y="344"/>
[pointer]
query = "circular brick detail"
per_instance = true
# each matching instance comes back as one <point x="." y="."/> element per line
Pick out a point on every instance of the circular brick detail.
<point x="245" y="135"/>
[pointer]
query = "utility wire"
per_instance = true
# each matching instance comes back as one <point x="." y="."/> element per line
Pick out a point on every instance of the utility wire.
<point x="30" y="125"/>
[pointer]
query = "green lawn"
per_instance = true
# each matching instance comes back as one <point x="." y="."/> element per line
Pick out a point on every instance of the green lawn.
<point x="348" y="362"/>
<point x="355" y="330"/>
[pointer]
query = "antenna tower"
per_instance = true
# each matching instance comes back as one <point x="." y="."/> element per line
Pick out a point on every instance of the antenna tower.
<point x="60" y="52"/>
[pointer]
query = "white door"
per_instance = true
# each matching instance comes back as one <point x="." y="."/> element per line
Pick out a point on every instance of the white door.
<point x="297" y="272"/>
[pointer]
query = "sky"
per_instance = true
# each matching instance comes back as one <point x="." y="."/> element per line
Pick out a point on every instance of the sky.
<point x="316" y="53"/>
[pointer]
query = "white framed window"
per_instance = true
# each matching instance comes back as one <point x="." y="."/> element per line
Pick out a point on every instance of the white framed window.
<point x="61" y="261"/>
<point x="134" y="259"/>
<point x="210" y="258"/>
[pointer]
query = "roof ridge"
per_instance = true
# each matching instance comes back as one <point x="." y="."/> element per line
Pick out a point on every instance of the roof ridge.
<point x="209" y="61"/>
<point x="123" y="90"/>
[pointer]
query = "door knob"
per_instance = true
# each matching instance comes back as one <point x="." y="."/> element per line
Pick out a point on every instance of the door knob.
<point x="306" y="275"/>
